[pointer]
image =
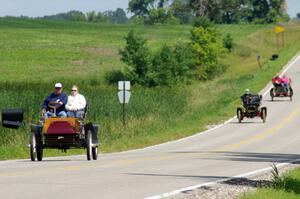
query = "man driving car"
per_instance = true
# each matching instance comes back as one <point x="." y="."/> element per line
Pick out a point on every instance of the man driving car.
<point x="54" y="104"/>
<point x="246" y="97"/>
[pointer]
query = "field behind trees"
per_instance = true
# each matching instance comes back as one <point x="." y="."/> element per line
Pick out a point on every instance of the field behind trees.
<point x="37" y="53"/>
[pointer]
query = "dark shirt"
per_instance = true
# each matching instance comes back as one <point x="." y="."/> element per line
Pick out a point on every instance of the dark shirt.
<point x="246" y="99"/>
<point x="55" y="98"/>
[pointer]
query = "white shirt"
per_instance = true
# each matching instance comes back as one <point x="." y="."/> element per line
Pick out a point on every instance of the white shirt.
<point x="76" y="102"/>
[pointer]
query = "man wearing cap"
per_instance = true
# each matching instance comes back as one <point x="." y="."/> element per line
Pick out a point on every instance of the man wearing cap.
<point x="54" y="104"/>
<point x="246" y="97"/>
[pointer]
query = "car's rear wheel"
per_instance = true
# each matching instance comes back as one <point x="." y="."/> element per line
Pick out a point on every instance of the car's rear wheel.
<point x="264" y="114"/>
<point x="95" y="153"/>
<point x="89" y="145"/>
<point x="39" y="148"/>
<point x="272" y="94"/>
<point x="32" y="146"/>
<point x="239" y="115"/>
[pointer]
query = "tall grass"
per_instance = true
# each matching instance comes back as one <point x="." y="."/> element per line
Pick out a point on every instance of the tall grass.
<point x="62" y="52"/>
<point x="288" y="188"/>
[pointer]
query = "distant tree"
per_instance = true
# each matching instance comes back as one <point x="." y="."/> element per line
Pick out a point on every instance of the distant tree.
<point x="119" y="16"/>
<point x="161" y="3"/>
<point x="76" y="16"/>
<point x="140" y="7"/>
<point x="203" y="22"/>
<point x="136" y="20"/>
<point x="181" y="10"/>
<point x="260" y="9"/>
<point x="102" y="18"/>
<point x="298" y="15"/>
<point x="200" y="7"/>
<point x="159" y="15"/>
<point x="91" y="16"/>
<point x="230" y="11"/>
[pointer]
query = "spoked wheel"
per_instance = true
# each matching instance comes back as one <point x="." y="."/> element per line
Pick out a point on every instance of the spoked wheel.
<point x="272" y="94"/>
<point x="95" y="153"/>
<point x="239" y="115"/>
<point x="32" y="146"/>
<point x="291" y="94"/>
<point x="264" y="114"/>
<point x="89" y="145"/>
<point x="36" y="147"/>
<point x="39" y="148"/>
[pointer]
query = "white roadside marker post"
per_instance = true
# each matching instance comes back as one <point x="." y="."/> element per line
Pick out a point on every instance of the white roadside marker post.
<point x="124" y="95"/>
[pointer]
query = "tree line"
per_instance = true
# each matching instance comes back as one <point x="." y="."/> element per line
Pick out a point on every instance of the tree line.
<point x="113" y="17"/>
<point x="185" y="12"/>
<point x="116" y="17"/>
<point x="218" y="11"/>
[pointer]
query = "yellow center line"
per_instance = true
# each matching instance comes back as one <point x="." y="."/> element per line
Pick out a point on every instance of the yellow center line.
<point x="263" y="135"/>
<point x="127" y="162"/>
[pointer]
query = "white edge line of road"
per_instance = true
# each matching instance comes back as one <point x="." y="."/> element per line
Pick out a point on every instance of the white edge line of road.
<point x="249" y="174"/>
<point x="256" y="172"/>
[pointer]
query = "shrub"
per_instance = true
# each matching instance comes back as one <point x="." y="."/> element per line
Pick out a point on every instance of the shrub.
<point x="208" y="47"/>
<point x="203" y="22"/>
<point x="137" y="20"/>
<point x="112" y="77"/>
<point x="137" y="56"/>
<point x="172" y="65"/>
<point x="228" y="42"/>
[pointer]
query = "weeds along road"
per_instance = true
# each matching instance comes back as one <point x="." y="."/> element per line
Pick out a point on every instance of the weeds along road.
<point x="230" y="150"/>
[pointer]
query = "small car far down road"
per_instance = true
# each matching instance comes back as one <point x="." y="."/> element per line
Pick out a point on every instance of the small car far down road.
<point x="251" y="108"/>
<point x="281" y="88"/>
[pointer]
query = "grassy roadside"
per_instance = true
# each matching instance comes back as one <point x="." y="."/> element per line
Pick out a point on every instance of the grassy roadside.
<point x="288" y="189"/>
<point x="153" y="115"/>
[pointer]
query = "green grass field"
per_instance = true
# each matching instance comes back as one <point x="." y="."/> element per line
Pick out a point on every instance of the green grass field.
<point x="35" y="54"/>
<point x="290" y="190"/>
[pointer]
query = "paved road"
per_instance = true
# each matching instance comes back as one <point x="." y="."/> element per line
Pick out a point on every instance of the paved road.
<point x="227" y="151"/>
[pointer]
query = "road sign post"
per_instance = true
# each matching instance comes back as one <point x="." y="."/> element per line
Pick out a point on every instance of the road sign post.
<point x="124" y="95"/>
<point x="258" y="61"/>
<point x="279" y="29"/>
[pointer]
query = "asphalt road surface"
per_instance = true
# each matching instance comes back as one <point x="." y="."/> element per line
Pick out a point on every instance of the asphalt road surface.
<point x="230" y="150"/>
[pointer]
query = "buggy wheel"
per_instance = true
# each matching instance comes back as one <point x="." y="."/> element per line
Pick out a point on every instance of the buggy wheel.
<point x="89" y="145"/>
<point x="32" y="146"/>
<point x="264" y="114"/>
<point x="39" y="148"/>
<point x="272" y="94"/>
<point x="239" y="115"/>
<point x="95" y="153"/>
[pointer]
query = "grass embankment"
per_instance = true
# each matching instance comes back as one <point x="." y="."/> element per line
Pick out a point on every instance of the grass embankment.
<point x="288" y="189"/>
<point x="36" y="54"/>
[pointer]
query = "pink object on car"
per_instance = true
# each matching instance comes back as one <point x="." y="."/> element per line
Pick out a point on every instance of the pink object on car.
<point x="285" y="80"/>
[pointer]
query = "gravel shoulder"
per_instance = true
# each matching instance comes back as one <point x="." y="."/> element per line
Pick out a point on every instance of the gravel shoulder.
<point x="234" y="188"/>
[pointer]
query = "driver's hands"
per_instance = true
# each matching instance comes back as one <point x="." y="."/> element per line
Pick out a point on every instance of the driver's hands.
<point x="43" y="111"/>
<point x="61" y="103"/>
